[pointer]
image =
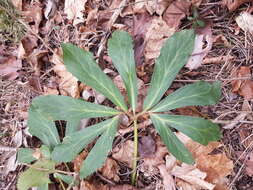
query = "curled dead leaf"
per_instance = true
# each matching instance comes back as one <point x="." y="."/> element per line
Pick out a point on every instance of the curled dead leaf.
<point x="243" y="87"/>
<point x="110" y="170"/>
<point x="245" y="22"/>
<point x="124" y="153"/>
<point x="204" y="36"/>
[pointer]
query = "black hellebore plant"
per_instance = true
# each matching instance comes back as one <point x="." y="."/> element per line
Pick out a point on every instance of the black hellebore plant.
<point x="45" y="110"/>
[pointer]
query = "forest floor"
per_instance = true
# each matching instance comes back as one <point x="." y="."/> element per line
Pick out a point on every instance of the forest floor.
<point x="30" y="65"/>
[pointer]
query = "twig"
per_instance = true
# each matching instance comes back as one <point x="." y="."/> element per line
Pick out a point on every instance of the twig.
<point x="236" y="120"/>
<point x="7" y="149"/>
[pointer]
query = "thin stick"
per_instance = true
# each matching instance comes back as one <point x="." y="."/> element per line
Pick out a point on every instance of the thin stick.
<point x="135" y="151"/>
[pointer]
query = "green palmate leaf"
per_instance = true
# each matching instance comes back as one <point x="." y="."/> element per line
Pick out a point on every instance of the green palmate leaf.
<point x="67" y="108"/>
<point x="174" y="145"/>
<point x="200" y="93"/>
<point x="99" y="152"/>
<point x="70" y="109"/>
<point x="75" y="142"/>
<point x="82" y="65"/>
<point x="120" y="49"/>
<point x="198" y="129"/>
<point x="173" y="56"/>
<point x="41" y="127"/>
<point x="25" y="155"/>
<point x="36" y="177"/>
<point x="72" y="126"/>
<point x="67" y="179"/>
<point x="43" y="187"/>
<point x="45" y="151"/>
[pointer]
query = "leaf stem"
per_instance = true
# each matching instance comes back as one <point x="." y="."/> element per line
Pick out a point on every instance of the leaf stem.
<point x="135" y="151"/>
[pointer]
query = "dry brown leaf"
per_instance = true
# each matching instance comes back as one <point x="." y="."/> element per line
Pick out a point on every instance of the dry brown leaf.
<point x="216" y="166"/>
<point x="124" y="153"/>
<point x="50" y="91"/>
<point x="149" y="165"/>
<point x="191" y="175"/>
<point x="176" y="12"/>
<point x="243" y="87"/>
<point x="218" y="60"/>
<point x="168" y="181"/>
<point x="9" y="67"/>
<point x="68" y="85"/>
<point x="74" y="10"/>
<point x="79" y="160"/>
<point x="156" y="35"/>
<point x="33" y="14"/>
<point x="221" y="39"/>
<point x="141" y="23"/>
<point x="234" y="4"/>
<point x="157" y="6"/>
<point x="246" y="137"/>
<point x="204" y="36"/>
<point x="29" y="43"/>
<point x="245" y="22"/>
<point x="85" y="185"/>
<point x="110" y="170"/>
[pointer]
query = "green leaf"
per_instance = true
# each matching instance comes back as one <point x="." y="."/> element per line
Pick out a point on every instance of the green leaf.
<point x="25" y="155"/>
<point x="72" y="126"/>
<point x="173" y="56"/>
<point x="43" y="187"/>
<point x="200" y="93"/>
<point x="45" y="151"/>
<point x="198" y="129"/>
<point x="41" y="127"/>
<point x="120" y="49"/>
<point x="75" y="142"/>
<point x="70" y="109"/>
<point x="82" y="65"/>
<point x="99" y="152"/>
<point x="34" y="177"/>
<point x="174" y="145"/>
<point x="67" y="179"/>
